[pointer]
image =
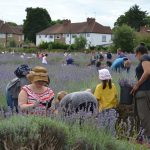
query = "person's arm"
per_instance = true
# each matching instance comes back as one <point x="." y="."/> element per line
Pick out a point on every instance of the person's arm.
<point x="22" y="101"/>
<point x="144" y="77"/>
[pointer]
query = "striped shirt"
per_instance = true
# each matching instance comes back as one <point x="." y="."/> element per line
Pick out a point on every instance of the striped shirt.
<point x="44" y="98"/>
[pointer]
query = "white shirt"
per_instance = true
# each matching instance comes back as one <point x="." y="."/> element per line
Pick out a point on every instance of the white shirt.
<point x="44" y="61"/>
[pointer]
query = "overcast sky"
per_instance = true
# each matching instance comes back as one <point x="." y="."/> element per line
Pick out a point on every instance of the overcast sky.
<point x="105" y="11"/>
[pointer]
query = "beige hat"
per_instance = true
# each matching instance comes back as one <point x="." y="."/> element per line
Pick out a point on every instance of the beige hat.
<point x="104" y="74"/>
<point x="38" y="73"/>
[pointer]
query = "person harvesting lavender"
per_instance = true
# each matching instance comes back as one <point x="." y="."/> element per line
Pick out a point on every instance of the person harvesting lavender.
<point x="106" y="92"/>
<point x="141" y="90"/>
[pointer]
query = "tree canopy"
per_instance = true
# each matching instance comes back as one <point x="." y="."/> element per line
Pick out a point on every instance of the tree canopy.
<point x="134" y="17"/>
<point x="124" y="37"/>
<point x="36" y="20"/>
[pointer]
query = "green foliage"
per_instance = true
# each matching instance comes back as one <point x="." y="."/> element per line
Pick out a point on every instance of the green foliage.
<point x="134" y="17"/>
<point x="12" y="24"/>
<point x="124" y="38"/>
<point x="29" y="132"/>
<point x="58" y="21"/>
<point x="80" y="42"/>
<point x="36" y="20"/>
<point x="12" y="43"/>
<point x="53" y="45"/>
<point x="44" y="45"/>
<point x="142" y="38"/>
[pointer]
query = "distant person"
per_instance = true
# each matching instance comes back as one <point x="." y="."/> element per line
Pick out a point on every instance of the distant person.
<point x="14" y="86"/>
<point x="44" y="59"/>
<point x="121" y="64"/>
<point x="93" y="58"/>
<point x="69" y="60"/>
<point x="109" y="59"/>
<point x="120" y="53"/>
<point x="106" y="92"/>
<point x="36" y="98"/>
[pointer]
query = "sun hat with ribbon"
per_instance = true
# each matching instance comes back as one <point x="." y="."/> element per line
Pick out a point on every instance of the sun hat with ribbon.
<point x="104" y="74"/>
<point x="38" y="73"/>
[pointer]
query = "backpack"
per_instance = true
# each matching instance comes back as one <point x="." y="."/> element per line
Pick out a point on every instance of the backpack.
<point x="13" y="89"/>
<point x="109" y="56"/>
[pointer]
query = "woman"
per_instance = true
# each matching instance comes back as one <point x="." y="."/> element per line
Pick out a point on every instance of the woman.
<point x="44" y="59"/>
<point x="36" y="96"/>
<point x="141" y="90"/>
<point x="106" y="92"/>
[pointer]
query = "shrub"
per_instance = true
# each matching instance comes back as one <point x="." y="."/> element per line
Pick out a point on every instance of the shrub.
<point x="44" y="45"/>
<point x="80" y="42"/>
<point x="12" y="43"/>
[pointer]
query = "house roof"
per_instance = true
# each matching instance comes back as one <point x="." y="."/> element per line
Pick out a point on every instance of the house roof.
<point x="83" y="27"/>
<point x="6" y="28"/>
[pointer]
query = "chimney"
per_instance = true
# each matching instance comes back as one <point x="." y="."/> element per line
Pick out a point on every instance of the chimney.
<point x="66" y="22"/>
<point x="90" y="20"/>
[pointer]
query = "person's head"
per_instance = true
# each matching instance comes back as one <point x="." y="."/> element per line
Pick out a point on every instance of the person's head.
<point x="140" y="50"/>
<point x="105" y="77"/>
<point x="127" y="63"/>
<point x="46" y="55"/>
<point x="39" y="76"/>
<point x="22" y="71"/>
<point x="61" y="95"/>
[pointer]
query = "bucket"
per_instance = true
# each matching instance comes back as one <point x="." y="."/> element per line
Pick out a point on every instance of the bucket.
<point x="125" y="96"/>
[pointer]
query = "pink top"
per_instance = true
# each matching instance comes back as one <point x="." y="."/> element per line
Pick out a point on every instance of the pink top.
<point x="44" y="97"/>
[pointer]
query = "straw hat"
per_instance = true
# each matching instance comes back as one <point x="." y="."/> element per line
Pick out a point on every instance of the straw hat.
<point x="104" y="74"/>
<point x="38" y="73"/>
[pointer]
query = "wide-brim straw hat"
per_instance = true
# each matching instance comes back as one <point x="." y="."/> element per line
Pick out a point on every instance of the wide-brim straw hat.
<point x="127" y="63"/>
<point x="104" y="74"/>
<point x="38" y="74"/>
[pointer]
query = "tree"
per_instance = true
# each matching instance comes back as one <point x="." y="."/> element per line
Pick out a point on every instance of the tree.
<point x="80" y="42"/>
<point x="124" y="38"/>
<point x="12" y="24"/>
<point x="36" y="20"/>
<point x="58" y="21"/>
<point x="134" y="18"/>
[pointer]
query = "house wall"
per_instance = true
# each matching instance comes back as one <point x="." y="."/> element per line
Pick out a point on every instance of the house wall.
<point x="44" y="38"/>
<point x="93" y="39"/>
<point x="17" y="38"/>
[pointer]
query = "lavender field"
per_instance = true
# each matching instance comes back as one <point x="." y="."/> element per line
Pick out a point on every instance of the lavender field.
<point x="68" y="78"/>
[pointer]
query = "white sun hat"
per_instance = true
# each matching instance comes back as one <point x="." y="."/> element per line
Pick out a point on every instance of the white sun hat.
<point x="104" y="74"/>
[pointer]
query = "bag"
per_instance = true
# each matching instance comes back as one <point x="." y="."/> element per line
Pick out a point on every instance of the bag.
<point x="125" y="95"/>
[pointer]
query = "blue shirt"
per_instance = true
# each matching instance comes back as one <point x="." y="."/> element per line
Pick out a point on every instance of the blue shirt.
<point x="118" y="63"/>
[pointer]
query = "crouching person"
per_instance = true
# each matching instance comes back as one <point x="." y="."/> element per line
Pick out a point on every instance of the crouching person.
<point x="36" y="97"/>
<point x="79" y="101"/>
<point x="106" y="95"/>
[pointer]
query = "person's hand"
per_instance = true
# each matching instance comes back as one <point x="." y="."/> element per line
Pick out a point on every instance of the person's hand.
<point x="135" y="88"/>
<point x="36" y="103"/>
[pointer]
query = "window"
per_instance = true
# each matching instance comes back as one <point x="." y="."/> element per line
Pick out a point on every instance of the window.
<point x="9" y="35"/>
<point x="39" y="36"/>
<point x="57" y="36"/>
<point x="74" y="36"/>
<point x="103" y="38"/>
<point x="45" y="36"/>
<point x="88" y="34"/>
<point x="67" y="35"/>
<point x="51" y="36"/>
<point x="2" y="35"/>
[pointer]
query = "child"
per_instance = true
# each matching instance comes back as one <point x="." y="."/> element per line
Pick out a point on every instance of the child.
<point x="106" y="92"/>
<point x="44" y="59"/>
<point x="56" y="103"/>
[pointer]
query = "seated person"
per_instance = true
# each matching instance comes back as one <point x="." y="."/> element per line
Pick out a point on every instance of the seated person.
<point x="105" y="92"/>
<point x="69" y="61"/>
<point x="36" y="96"/>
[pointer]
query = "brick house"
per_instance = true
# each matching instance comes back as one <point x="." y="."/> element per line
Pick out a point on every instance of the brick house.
<point x="95" y="33"/>
<point x="9" y="33"/>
